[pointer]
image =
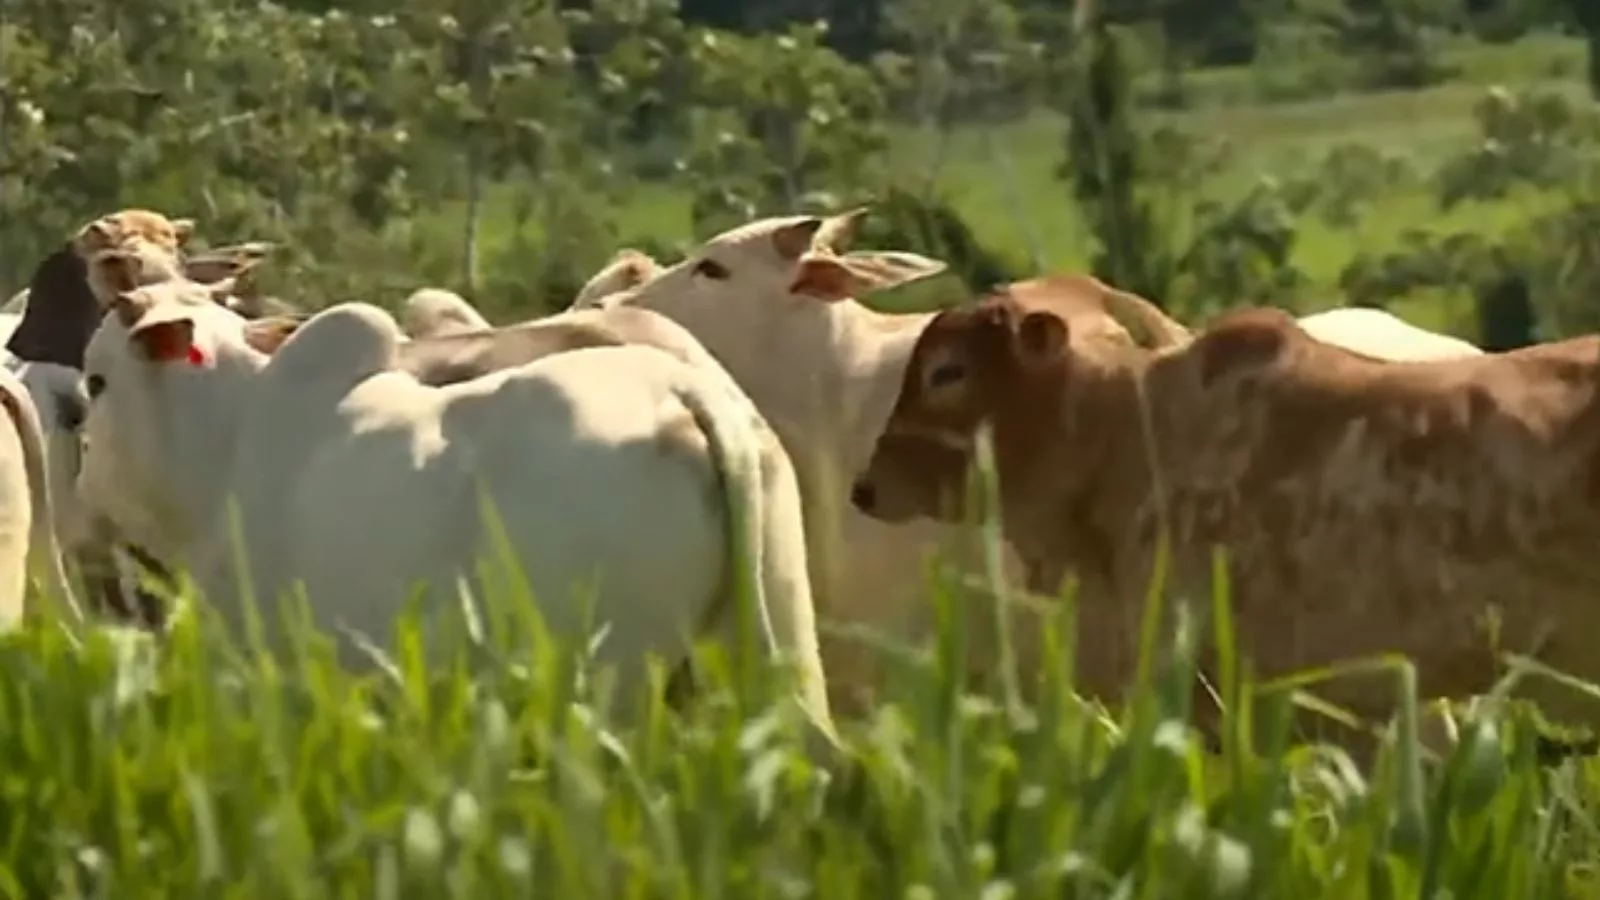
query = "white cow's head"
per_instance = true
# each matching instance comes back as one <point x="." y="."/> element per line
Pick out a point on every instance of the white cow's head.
<point x="166" y="374"/>
<point x="746" y="280"/>
<point x="627" y="270"/>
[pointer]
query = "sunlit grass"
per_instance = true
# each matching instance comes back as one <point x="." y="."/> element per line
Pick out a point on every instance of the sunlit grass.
<point x="204" y="766"/>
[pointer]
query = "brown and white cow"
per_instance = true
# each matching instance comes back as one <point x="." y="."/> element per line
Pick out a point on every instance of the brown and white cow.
<point x="66" y="300"/>
<point x="1365" y="506"/>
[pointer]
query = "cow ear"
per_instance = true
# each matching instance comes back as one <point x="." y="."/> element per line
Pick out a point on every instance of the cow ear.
<point x="1040" y="338"/>
<point x="182" y="230"/>
<point x="834" y="278"/>
<point x="794" y="239"/>
<point x="129" y="307"/>
<point x="267" y="335"/>
<point x="824" y="278"/>
<point x="95" y="236"/>
<point x="164" y="340"/>
<point x="838" y="230"/>
<point x="119" y="268"/>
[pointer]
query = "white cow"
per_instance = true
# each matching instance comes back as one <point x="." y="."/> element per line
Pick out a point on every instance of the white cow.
<point x="779" y="314"/>
<point x="1376" y="332"/>
<point x="621" y="468"/>
<point x="27" y="513"/>
<point x="774" y="302"/>
<point x="435" y="311"/>
<point x="628" y="269"/>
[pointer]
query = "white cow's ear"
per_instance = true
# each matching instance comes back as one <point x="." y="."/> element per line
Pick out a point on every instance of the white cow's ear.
<point x="794" y="239"/>
<point x="164" y="340"/>
<point x="267" y="335"/>
<point x="835" y="278"/>
<point x="838" y="230"/>
<point x="182" y="230"/>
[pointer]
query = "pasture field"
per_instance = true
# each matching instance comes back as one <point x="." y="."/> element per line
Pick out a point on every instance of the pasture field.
<point x="202" y="767"/>
<point x="1001" y="177"/>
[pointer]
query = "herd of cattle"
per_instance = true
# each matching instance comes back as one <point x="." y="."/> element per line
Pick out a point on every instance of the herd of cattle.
<point x="738" y="423"/>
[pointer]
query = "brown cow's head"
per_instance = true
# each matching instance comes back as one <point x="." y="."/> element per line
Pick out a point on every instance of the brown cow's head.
<point x="970" y="365"/>
<point x="133" y="226"/>
<point x="1005" y="361"/>
<point x="154" y="241"/>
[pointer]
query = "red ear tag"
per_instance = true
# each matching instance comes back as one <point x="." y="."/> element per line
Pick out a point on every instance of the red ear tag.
<point x="196" y="357"/>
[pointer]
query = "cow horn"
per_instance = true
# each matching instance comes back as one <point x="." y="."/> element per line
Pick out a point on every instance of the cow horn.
<point x="838" y="231"/>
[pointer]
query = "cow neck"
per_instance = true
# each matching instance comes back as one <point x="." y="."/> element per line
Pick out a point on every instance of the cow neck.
<point x="1109" y="443"/>
<point x="871" y="352"/>
<point x="231" y="385"/>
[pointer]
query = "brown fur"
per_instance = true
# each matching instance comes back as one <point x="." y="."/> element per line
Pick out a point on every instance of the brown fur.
<point x="1367" y="507"/>
<point x="120" y="229"/>
<point x="67" y="297"/>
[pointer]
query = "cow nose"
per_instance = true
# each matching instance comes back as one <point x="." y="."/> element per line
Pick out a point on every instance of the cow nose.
<point x="862" y="496"/>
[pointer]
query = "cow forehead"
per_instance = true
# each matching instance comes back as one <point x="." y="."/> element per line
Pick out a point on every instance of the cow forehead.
<point x="750" y="232"/>
<point x="143" y="222"/>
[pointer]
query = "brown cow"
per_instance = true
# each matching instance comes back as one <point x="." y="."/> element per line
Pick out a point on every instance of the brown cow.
<point x="1366" y="506"/>
<point x="66" y="299"/>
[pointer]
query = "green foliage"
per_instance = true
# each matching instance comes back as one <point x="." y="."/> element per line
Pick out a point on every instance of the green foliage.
<point x="495" y="765"/>
<point x="1106" y="165"/>
<point x="929" y="226"/>
<point x="1505" y="314"/>
<point x="1534" y="139"/>
<point x="782" y="123"/>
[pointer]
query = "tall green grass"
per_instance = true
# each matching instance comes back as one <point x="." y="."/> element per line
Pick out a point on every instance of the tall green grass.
<point x="206" y="766"/>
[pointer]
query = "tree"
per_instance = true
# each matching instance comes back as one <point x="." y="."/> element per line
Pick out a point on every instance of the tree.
<point x="1103" y="163"/>
<point x="780" y="122"/>
<point x="1587" y="15"/>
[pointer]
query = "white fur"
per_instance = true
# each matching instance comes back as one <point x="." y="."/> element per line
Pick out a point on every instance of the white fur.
<point x="825" y="375"/>
<point x="616" y="467"/>
<point x="27" y="538"/>
<point x="1381" y="334"/>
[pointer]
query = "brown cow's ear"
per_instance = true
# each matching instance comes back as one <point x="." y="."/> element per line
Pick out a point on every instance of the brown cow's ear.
<point x="95" y="236"/>
<point x="119" y="268"/>
<point x="129" y="307"/>
<point x="1041" y="337"/>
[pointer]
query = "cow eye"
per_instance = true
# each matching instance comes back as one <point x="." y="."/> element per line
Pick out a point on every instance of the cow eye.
<point x="94" y="385"/>
<point x="946" y="374"/>
<point x="712" y="269"/>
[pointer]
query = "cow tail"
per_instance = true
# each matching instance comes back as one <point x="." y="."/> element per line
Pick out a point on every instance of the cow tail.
<point x="754" y="469"/>
<point x="44" y="555"/>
